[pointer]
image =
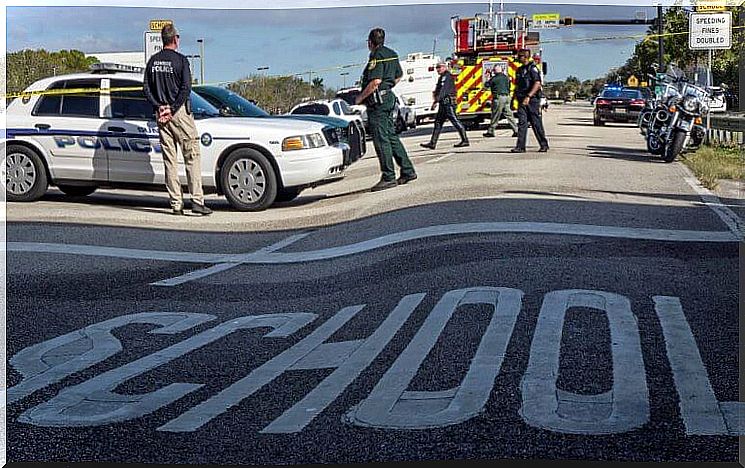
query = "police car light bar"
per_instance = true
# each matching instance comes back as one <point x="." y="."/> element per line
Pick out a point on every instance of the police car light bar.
<point x="115" y="67"/>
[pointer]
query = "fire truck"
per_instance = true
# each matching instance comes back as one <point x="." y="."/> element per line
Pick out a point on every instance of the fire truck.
<point x="480" y="43"/>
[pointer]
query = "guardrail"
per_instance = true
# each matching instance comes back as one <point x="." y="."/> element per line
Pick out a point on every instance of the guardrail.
<point x="727" y="128"/>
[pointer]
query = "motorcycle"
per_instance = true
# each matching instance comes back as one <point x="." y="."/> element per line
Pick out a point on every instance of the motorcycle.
<point x="673" y="122"/>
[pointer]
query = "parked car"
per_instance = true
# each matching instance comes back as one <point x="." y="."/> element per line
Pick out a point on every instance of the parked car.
<point x="336" y="129"/>
<point x="718" y="101"/>
<point x="404" y="115"/>
<point x="618" y="104"/>
<point x="108" y="137"/>
<point x="330" y="107"/>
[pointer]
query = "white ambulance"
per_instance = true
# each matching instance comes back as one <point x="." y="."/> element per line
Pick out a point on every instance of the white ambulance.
<point x="418" y="83"/>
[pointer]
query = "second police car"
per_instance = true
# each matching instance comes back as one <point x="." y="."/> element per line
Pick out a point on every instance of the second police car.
<point x="89" y="130"/>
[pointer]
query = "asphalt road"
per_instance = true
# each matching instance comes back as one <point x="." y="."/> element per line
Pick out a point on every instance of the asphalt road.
<point x="580" y="304"/>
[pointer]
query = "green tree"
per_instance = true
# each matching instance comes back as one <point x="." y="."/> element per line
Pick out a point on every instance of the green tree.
<point x="27" y="66"/>
<point x="725" y="63"/>
<point x="280" y="94"/>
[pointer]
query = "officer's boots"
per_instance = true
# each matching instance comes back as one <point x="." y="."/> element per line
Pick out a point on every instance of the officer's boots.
<point x="433" y="141"/>
<point x="463" y="138"/>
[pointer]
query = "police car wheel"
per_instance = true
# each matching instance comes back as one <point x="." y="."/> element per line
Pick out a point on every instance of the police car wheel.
<point x="25" y="175"/>
<point x="77" y="190"/>
<point x="248" y="180"/>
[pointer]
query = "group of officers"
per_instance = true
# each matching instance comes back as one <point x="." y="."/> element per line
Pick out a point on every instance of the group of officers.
<point x="382" y="73"/>
<point x="168" y="85"/>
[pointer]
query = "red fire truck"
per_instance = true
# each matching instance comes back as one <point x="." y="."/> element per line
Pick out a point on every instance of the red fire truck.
<point x="480" y="43"/>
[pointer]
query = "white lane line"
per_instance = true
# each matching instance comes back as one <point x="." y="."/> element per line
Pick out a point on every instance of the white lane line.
<point x="733" y="222"/>
<point x="237" y="260"/>
<point x="195" y="275"/>
<point x="116" y="252"/>
<point x="432" y="161"/>
<point x="269" y="256"/>
<point x="507" y="227"/>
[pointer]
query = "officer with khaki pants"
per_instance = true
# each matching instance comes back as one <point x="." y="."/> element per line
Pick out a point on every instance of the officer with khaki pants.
<point x="167" y="86"/>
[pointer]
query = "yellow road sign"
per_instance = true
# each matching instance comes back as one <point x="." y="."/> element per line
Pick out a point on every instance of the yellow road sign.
<point x="157" y="25"/>
<point x="546" y="17"/>
<point x="632" y="81"/>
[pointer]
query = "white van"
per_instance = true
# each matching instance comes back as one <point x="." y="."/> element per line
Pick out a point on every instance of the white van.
<point x="418" y="83"/>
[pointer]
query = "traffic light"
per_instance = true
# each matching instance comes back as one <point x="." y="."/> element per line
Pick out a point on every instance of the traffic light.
<point x="568" y="21"/>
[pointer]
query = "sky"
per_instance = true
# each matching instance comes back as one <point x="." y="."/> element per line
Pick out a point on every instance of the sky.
<point x="291" y="41"/>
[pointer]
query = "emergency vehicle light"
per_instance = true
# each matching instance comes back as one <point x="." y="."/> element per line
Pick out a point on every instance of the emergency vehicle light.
<point x="115" y="67"/>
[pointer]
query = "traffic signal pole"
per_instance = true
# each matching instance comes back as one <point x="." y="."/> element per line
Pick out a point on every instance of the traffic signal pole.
<point x="660" y="39"/>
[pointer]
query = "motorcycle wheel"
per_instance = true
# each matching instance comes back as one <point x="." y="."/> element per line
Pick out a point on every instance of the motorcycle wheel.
<point x="658" y="150"/>
<point x="675" y="147"/>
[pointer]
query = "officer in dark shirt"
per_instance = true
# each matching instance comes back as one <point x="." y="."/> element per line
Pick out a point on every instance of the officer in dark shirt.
<point x="382" y="72"/>
<point x="528" y="95"/>
<point x="444" y="96"/>
<point x="167" y="86"/>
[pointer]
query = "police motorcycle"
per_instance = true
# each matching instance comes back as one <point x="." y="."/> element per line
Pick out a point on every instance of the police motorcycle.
<point x="675" y="123"/>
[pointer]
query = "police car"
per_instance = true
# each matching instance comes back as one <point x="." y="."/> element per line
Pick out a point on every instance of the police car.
<point x="84" y="131"/>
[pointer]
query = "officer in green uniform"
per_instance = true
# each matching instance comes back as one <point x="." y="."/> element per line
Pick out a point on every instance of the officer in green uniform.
<point x="382" y="72"/>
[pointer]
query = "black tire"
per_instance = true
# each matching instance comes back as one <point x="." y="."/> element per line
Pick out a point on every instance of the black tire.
<point x="597" y="121"/>
<point x="26" y="177"/>
<point x="248" y="180"/>
<point x="77" y="190"/>
<point x="287" y="194"/>
<point x="650" y="149"/>
<point x="675" y="147"/>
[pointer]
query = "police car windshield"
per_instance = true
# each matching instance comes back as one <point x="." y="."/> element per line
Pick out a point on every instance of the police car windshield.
<point x="200" y="108"/>
<point x="242" y="106"/>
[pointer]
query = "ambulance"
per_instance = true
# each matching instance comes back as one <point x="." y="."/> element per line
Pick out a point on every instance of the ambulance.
<point x="418" y="82"/>
<point x="480" y="44"/>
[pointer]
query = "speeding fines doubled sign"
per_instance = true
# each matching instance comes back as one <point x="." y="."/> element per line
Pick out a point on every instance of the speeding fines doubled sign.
<point x="710" y="31"/>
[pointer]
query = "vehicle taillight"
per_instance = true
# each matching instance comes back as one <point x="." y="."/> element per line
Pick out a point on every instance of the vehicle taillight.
<point x="431" y="69"/>
<point x="637" y="102"/>
<point x="602" y="102"/>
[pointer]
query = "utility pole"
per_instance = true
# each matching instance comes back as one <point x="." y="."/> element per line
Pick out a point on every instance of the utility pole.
<point x="201" y="60"/>
<point x="660" y="39"/>
<point x="344" y="74"/>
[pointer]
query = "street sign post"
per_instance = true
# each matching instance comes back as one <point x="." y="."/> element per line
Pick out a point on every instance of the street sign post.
<point x="710" y="31"/>
<point x="546" y="20"/>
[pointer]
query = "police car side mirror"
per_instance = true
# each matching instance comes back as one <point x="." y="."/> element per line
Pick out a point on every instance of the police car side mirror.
<point x="225" y="111"/>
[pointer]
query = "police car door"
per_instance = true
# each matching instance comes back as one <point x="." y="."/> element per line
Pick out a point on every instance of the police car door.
<point x="134" y="154"/>
<point x="67" y="124"/>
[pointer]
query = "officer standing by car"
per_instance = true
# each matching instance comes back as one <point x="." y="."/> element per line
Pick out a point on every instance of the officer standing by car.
<point x="499" y="85"/>
<point x="444" y="96"/>
<point x="167" y="86"/>
<point x="528" y="94"/>
<point x="381" y="74"/>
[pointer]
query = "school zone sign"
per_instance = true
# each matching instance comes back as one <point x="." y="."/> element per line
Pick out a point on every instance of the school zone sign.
<point x="389" y="405"/>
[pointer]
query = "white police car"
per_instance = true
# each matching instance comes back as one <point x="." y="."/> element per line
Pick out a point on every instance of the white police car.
<point x="96" y="129"/>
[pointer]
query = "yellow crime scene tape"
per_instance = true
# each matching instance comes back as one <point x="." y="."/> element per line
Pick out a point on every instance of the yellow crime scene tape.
<point x="29" y="94"/>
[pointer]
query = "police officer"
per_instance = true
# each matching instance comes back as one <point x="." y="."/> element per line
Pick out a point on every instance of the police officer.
<point x="168" y="88"/>
<point x="382" y="72"/>
<point x="528" y="95"/>
<point x="444" y="96"/>
<point x="499" y="85"/>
